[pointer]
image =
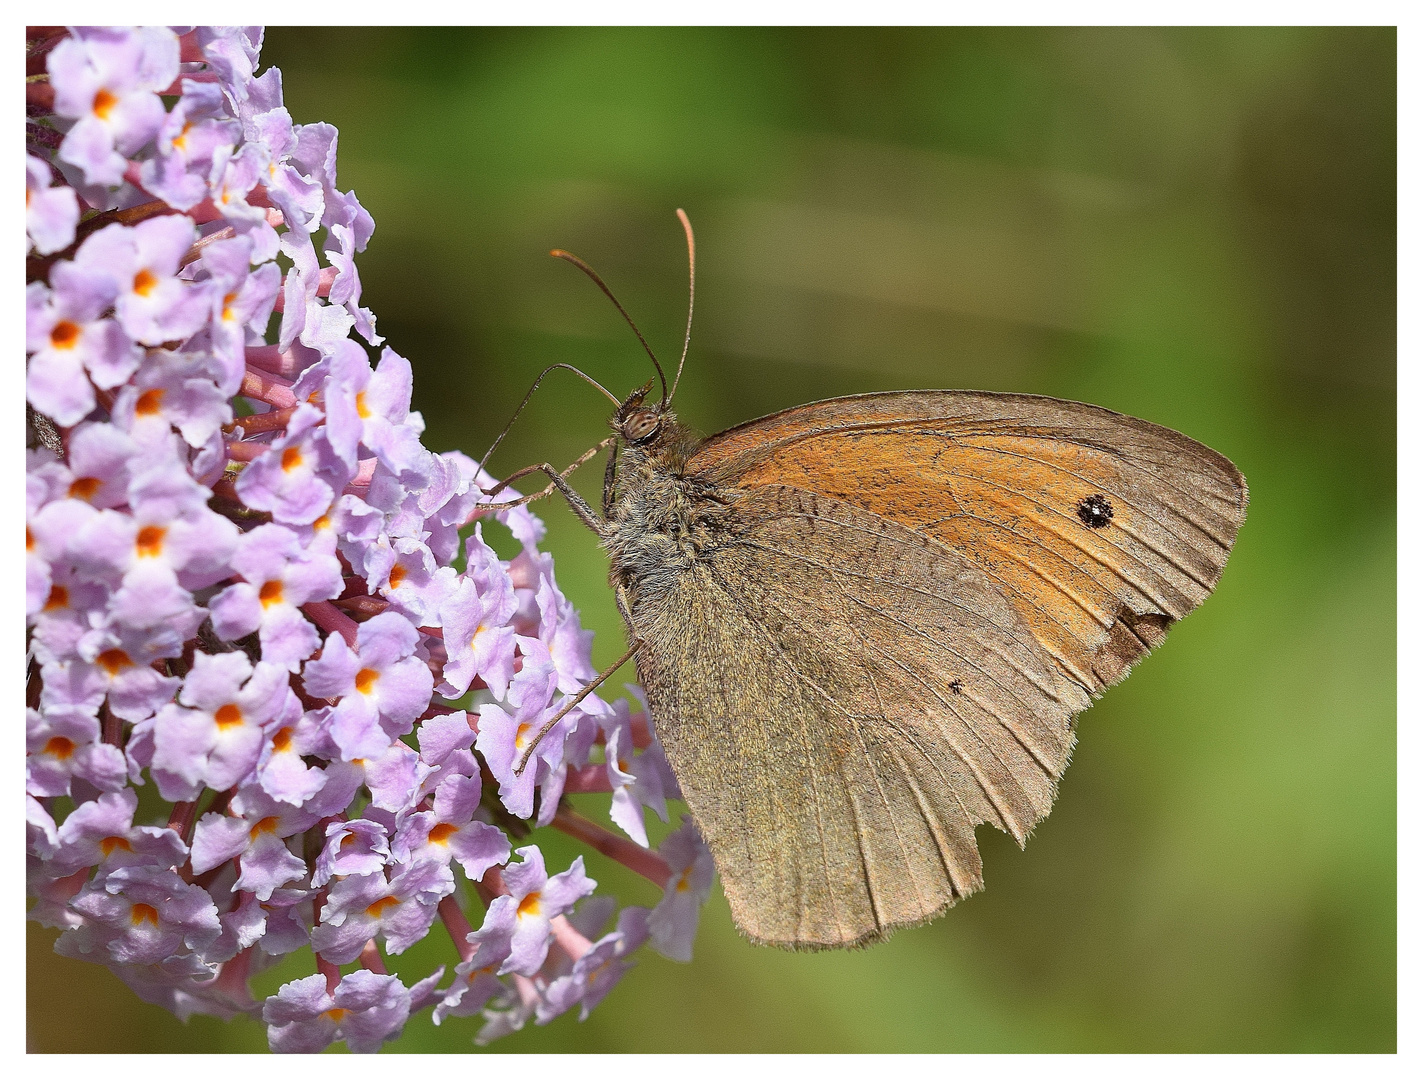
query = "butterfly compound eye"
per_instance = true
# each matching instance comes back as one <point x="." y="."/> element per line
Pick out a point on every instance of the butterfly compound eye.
<point x="641" y="425"/>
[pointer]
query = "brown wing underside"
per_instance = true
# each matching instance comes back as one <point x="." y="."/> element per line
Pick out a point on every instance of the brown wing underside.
<point x="1001" y="479"/>
<point x="842" y="700"/>
<point x="892" y="645"/>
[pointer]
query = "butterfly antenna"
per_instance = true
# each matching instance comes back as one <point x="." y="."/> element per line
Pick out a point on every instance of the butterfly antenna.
<point x="567" y="367"/>
<point x="691" y="299"/>
<point x="559" y="253"/>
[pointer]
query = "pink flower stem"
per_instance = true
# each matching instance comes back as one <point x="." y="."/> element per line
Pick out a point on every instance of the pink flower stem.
<point x="364" y="606"/>
<point x="647" y="863"/>
<point x="493" y="882"/>
<point x="528" y="992"/>
<point x="331" y="619"/>
<point x="264" y="386"/>
<point x="260" y="423"/>
<point x="331" y="971"/>
<point x="113" y="727"/>
<point x="457" y="925"/>
<point x="573" y="943"/>
<point x="181" y="819"/>
<point x="364" y="472"/>
<point x="245" y="451"/>
<point x="232" y="976"/>
<point x="371" y="959"/>
<point x="585" y="778"/>
<point x="195" y="252"/>
<point x="272" y="358"/>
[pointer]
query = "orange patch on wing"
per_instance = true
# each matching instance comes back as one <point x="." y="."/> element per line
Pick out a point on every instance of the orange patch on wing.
<point x="1008" y="502"/>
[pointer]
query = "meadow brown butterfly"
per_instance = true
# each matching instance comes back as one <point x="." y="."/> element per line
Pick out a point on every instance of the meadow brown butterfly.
<point x="864" y="626"/>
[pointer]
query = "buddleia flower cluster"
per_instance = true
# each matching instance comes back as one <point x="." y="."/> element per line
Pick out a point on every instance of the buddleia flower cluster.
<point x="279" y="683"/>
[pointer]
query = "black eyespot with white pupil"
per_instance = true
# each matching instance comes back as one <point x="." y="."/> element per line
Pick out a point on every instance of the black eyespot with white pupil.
<point x="1095" y="511"/>
<point x="640" y="425"/>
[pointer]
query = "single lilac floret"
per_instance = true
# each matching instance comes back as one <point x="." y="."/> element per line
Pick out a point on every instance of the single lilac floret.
<point x="360" y="907"/>
<point x="70" y="342"/>
<point x="217" y="738"/>
<point x="352" y="847"/>
<point x="533" y="901"/>
<point x="153" y="304"/>
<point x="365" y="1010"/>
<point x="107" y="79"/>
<point x="382" y="687"/>
<point x="194" y="134"/>
<point x="299" y="476"/>
<point x="479" y="643"/>
<point x="672" y="924"/>
<point x="102" y="833"/>
<point x="63" y="743"/>
<point x="141" y="915"/>
<point x="50" y="212"/>
<point x="597" y="971"/>
<point x="281" y="574"/>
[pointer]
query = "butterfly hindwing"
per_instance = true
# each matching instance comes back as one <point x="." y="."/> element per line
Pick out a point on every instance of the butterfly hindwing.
<point x="842" y="701"/>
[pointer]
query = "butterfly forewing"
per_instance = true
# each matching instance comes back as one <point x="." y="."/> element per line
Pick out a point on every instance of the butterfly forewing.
<point x="1100" y="528"/>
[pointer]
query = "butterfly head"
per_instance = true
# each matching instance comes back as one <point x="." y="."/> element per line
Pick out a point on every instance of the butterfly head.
<point x="638" y="423"/>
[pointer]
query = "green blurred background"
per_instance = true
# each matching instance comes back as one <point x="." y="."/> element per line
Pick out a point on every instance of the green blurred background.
<point x="1192" y="226"/>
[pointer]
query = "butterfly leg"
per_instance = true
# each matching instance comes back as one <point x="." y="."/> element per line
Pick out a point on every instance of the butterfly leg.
<point x="579" y="505"/>
<point x="573" y="704"/>
<point x="609" y="478"/>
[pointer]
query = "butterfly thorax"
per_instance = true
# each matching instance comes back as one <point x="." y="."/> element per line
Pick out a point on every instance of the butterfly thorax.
<point x="661" y="520"/>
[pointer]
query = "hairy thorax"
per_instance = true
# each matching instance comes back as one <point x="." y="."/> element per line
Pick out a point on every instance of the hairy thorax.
<point x="661" y="520"/>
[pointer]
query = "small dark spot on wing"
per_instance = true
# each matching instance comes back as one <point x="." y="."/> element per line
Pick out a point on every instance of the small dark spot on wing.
<point x="1095" y="511"/>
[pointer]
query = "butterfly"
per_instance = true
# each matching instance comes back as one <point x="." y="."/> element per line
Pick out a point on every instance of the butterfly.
<point x="865" y="625"/>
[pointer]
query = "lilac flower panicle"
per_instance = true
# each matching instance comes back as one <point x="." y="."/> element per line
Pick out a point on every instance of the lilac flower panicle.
<point x="252" y="592"/>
